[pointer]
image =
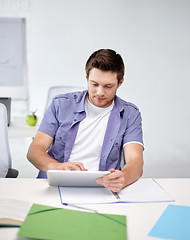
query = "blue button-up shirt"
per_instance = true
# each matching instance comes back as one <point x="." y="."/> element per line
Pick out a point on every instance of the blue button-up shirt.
<point x="61" y="122"/>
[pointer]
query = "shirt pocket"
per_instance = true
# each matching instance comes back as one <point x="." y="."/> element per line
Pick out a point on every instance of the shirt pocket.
<point x="57" y="150"/>
<point x="115" y="152"/>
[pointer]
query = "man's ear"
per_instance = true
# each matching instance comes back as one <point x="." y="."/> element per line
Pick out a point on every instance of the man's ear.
<point x="87" y="77"/>
<point x="122" y="80"/>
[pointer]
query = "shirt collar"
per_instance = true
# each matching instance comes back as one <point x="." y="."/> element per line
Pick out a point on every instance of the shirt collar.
<point x="80" y="99"/>
<point x="118" y="104"/>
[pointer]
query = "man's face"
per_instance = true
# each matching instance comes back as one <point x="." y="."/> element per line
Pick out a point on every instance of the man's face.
<point x="102" y="87"/>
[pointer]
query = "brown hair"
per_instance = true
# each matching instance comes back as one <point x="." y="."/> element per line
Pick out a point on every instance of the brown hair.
<point x="106" y="60"/>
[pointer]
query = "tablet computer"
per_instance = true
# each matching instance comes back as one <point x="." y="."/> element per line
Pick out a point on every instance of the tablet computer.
<point x="64" y="178"/>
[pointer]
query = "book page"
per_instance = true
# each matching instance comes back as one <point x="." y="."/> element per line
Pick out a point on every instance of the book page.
<point x="11" y="209"/>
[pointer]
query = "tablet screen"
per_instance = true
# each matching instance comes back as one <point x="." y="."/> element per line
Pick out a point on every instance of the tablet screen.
<point x="65" y="178"/>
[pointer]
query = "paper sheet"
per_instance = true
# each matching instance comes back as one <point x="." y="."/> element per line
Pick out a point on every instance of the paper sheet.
<point x="174" y="223"/>
<point x="82" y="195"/>
<point x="144" y="190"/>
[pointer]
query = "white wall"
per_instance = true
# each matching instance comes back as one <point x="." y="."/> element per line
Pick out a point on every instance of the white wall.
<point x="153" y="38"/>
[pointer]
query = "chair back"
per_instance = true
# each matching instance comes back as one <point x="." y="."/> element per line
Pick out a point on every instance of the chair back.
<point x="56" y="90"/>
<point x="5" y="156"/>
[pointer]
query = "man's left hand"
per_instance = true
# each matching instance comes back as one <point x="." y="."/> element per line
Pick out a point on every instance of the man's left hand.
<point x="113" y="181"/>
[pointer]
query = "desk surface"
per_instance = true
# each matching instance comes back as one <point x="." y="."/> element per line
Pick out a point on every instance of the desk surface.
<point x="141" y="217"/>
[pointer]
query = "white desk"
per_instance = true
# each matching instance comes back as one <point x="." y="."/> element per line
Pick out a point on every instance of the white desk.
<point x="141" y="217"/>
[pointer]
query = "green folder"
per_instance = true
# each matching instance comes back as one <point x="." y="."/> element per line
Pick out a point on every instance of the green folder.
<point x="44" y="222"/>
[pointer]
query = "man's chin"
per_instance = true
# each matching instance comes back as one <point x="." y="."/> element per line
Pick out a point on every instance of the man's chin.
<point x="102" y="104"/>
<point x="98" y="103"/>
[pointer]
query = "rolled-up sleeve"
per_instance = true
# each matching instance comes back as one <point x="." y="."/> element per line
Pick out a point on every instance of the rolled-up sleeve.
<point x="49" y="124"/>
<point x="133" y="131"/>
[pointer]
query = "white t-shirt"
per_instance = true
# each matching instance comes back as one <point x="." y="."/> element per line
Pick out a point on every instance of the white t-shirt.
<point x="88" y="143"/>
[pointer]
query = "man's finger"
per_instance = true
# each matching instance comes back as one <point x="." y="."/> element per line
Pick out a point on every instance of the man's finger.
<point x="114" y="175"/>
<point x="113" y="187"/>
<point x="71" y="166"/>
<point x="80" y="165"/>
<point x="99" y="180"/>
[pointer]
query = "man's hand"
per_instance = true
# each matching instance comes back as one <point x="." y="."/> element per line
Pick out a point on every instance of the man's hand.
<point x="72" y="166"/>
<point x="113" y="181"/>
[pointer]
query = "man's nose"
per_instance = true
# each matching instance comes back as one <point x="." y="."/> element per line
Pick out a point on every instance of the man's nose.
<point x="100" y="91"/>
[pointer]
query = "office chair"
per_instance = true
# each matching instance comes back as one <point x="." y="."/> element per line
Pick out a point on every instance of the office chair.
<point x="56" y="90"/>
<point x="6" y="169"/>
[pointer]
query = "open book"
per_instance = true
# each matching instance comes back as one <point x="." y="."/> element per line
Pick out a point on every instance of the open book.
<point x="13" y="212"/>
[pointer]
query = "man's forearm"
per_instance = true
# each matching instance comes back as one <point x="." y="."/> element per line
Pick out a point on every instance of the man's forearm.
<point x="40" y="159"/>
<point x="132" y="171"/>
<point x="133" y="168"/>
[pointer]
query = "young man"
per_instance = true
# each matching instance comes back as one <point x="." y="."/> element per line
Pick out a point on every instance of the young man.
<point x="89" y="130"/>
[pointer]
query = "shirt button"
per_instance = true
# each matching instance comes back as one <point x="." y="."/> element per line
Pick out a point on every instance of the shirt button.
<point x="75" y="120"/>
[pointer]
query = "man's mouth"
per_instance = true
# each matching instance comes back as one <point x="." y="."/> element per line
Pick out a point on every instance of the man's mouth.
<point x="100" y="99"/>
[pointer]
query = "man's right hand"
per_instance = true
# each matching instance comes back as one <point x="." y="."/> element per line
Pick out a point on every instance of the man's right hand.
<point x="71" y="166"/>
